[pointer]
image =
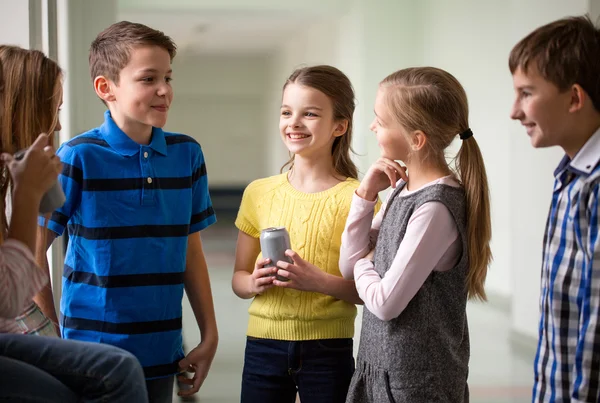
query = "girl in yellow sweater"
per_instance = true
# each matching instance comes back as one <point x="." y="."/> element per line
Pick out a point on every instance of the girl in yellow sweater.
<point x="300" y="331"/>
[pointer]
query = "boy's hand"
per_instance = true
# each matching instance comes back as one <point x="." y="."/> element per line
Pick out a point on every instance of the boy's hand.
<point x="197" y="362"/>
<point x="262" y="277"/>
<point x="302" y="275"/>
<point x="381" y="175"/>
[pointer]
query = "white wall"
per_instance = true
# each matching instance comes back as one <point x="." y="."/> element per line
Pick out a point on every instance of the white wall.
<point x="14" y="30"/>
<point x="220" y="101"/>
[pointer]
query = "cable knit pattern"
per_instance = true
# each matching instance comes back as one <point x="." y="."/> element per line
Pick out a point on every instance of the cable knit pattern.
<point x="315" y="222"/>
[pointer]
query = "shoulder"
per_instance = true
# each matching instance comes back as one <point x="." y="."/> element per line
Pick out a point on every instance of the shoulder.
<point x="81" y="145"/>
<point x="172" y="138"/>
<point x="266" y="185"/>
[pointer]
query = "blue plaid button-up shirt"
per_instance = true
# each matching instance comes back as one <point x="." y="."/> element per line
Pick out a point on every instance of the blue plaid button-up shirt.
<point x="567" y="363"/>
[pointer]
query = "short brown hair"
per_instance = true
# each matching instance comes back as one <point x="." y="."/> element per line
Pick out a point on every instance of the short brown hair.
<point x="336" y="85"/>
<point x="111" y="50"/>
<point x="565" y="52"/>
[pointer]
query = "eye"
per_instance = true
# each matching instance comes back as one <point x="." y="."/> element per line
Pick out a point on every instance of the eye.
<point x="168" y="79"/>
<point x="311" y="115"/>
<point x="285" y="113"/>
<point x="147" y="79"/>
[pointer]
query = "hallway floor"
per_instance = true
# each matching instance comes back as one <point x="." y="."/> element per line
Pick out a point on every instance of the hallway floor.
<point x="497" y="373"/>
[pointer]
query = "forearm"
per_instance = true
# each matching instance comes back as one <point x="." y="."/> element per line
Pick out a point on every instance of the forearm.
<point x="241" y="284"/>
<point x="197" y="286"/>
<point x="23" y="222"/>
<point x="45" y="299"/>
<point x="340" y="288"/>
<point x="357" y="235"/>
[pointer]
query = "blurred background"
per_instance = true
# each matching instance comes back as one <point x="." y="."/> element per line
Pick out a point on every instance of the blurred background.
<point x="232" y="61"/>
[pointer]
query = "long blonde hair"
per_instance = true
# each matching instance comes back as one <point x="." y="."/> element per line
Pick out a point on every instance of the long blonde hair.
<point x="29" y="98"/>
<point x="433" y="101"/>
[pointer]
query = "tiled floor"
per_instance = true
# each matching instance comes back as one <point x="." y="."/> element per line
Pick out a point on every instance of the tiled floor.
<point x="497" y="374"/>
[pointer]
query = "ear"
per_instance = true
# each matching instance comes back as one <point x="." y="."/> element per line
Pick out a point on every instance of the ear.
<point x="577" y="99"/>
<point x="103" y="87"/>
<point x="418" y="140"/>
<point x="341" y="128"/>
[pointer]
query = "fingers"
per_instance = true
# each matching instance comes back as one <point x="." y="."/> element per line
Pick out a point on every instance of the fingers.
<point x="392" y="169"/>
<point x="40" y="142"/>
<point x="294" y="256"/>
<point x="6" y="158"/>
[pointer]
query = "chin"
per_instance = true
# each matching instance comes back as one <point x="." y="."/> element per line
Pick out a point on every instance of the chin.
<point x="157" y="122"/>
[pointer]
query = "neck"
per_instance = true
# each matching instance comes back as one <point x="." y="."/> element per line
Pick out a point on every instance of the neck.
<point x="420" y="173"/>
<point x="313" y="174"/>
<point x="577" y="140"/>
<point x="138" y="132"/>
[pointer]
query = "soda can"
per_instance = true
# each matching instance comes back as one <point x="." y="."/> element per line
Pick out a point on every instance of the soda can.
<point x="33" y="321"/>
<point x="274" y="242"/>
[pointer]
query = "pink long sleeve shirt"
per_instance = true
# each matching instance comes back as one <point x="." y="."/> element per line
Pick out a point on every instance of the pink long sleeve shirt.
<point x="431" y="242"/>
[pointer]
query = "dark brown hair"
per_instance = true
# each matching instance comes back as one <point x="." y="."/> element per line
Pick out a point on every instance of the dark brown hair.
<point x="111" y="50"/>
<point x="565" y="52"/>
<point x="433" y="101"/>
<point x="336" y="85"/>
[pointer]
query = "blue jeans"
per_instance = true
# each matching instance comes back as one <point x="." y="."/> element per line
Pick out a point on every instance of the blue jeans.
<point x="319" y="370"/>
<point x="47" y="369"/>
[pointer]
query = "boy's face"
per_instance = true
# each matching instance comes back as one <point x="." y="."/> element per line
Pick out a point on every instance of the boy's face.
<point x="542" y="108"/>
<point x="144" y="93"/>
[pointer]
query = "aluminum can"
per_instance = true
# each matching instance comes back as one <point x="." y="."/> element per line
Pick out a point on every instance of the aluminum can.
<point x="274" y="242"/>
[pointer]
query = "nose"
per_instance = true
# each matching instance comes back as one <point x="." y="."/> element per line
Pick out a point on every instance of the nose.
<point x="164" y="89"/>
<point x="373" y="125"/>
<point x="294" y="122"/>
<point x="516" y="112"/>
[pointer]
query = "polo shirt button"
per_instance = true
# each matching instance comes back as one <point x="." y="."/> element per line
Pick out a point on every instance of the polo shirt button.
<point x="146" y="154"/>
<point x="149" y="180"/>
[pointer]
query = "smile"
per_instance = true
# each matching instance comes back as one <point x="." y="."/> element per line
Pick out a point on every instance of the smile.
<point x="298" y="136"/>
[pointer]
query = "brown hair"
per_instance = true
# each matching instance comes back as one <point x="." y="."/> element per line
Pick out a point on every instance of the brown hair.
<point x="433" y="101"/>
<point x="336" y="85"/>
<point x="29" y="102"/>
<point x="565" y="52"/>
<point x="111" y="50"/>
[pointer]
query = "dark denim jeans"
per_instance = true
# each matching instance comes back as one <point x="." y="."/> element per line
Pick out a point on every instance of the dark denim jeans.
<point x="319" y="370"/>
<point x="160" y="390"/>
<point x="48" y="369"/>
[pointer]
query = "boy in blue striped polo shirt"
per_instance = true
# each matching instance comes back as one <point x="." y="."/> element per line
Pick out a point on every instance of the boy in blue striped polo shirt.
<point x="556" y="75"/>
<point x="137" y="198"/>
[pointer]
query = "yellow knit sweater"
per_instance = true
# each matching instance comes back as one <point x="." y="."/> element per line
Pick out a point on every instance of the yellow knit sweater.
<point x="315" y="222"/>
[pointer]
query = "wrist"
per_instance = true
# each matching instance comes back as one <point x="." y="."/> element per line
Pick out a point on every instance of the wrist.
<point x="27" y="196"/>
<point x="365" y="194"/>
<point x="324" y="284"/>
<point x="210" y="340"/>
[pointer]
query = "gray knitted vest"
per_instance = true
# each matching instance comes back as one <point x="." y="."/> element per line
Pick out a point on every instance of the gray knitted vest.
<point x="422" y="354"/>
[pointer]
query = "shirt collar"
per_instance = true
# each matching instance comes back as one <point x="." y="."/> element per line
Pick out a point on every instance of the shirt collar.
<point x="123" y="144"/>
<point x="585" y="160"/>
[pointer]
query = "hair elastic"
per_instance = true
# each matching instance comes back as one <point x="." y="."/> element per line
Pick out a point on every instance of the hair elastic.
<point x="466" y="134"/>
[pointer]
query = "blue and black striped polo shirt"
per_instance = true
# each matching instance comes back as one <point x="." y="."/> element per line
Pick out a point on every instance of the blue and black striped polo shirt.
<point x="129" y="211"/>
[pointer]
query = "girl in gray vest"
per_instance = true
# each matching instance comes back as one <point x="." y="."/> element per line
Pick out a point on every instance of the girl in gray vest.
<point x="426" y="252"/>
